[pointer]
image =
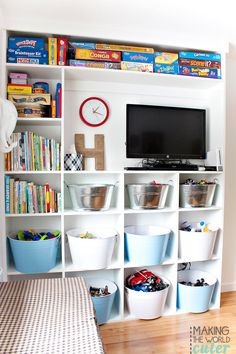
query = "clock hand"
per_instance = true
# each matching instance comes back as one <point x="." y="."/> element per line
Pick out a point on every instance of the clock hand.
<point x="95" y="110"/>
<point x="98" y="113"/>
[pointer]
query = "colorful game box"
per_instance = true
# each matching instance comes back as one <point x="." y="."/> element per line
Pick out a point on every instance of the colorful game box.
<point x="52" y="51"/>
<point x="23" y="60"/>
<point x="122" y="48"/>
<point x="25" y="43"/>
<point x="94" y="64"/>
<point x="43" y="54"/>
<point x="61" y="51"/>
<point x="44" y="99"/>
<point x="21" y="89"/>
<point x="200" y="63"/>
<point x="166" y="69"/>
<point x="82" y="45"/>
<point x="200" y="72"/>
<point x="200" y="56"/>
<point x="132" y="66"/>
<point x="137" y="57"/>
<point x="98" y="55"/>
<point x="23" y="76"/>
<point x="166" y="58"/>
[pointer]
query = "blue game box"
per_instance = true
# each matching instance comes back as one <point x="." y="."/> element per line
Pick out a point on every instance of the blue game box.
<point x="26" y="43"/>
<point x="138" y="57"/>
<point x="200" y="56"/>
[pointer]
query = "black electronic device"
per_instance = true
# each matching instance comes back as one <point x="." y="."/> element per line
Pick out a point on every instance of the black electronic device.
<point x="163" y="167"/>
<point x="163" y="132"/>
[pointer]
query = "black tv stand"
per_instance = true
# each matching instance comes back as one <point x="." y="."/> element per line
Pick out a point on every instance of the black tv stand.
<point x="172" y="165"/>
<point x="163" y="167"/>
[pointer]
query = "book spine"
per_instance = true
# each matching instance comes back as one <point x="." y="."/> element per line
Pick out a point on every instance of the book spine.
<point x="58" y="202"/>
<point x="23" y="151"/>
<point x="12" y="196"/>
<point x="16" y="184"/>
<point x="47" y="192"/>
<point x="7" y="194"/>
<point x="26" y="152"/>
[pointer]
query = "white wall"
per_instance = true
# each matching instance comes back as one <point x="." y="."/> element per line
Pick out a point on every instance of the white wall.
<point x="154" y="22"/>
<point x="229" y="259"/>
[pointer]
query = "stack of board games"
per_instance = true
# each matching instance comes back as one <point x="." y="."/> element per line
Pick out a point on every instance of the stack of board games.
<point x="33" y="100"/>
<point x="166" y="63"/>
<point x="200" y="64"/>
<point x="26" y="50"/>
<point x="18" y="84"/>
<point x="86" y="54"/>
<point x="138" y="59"/>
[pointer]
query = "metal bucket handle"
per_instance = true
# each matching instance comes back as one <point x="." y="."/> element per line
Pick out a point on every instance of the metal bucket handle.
<point x="171" y="182"/>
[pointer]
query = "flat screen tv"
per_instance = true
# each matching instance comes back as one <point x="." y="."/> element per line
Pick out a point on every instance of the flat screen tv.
<point x="163" y="132"/>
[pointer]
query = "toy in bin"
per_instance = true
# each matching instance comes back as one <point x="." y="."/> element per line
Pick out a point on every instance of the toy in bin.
<point x="146" y="281"/>
<point x="31" y="235"/>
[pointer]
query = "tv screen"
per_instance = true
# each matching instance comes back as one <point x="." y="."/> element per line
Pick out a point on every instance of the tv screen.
<point x="165" y="132"/>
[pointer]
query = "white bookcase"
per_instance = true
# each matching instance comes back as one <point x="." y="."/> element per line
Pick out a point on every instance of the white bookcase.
<point x="118" y="88"/>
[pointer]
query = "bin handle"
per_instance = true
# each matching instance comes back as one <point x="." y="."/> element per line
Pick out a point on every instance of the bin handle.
<point x="171" y="182"/>
<point x="67" y="185"/>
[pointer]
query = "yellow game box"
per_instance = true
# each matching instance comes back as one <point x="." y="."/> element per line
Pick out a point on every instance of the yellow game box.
<point x="16" y="88"/>
<point x="52" y="51"/>
<point x="40" y="98"/>
<point x="124" y="48"/>
<point x="166" y="58"/>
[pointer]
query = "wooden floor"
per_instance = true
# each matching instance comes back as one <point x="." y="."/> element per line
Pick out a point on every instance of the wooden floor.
<point x="168" y="335"/>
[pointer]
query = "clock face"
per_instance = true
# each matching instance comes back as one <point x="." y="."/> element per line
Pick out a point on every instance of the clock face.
<point x="94" y="111"/>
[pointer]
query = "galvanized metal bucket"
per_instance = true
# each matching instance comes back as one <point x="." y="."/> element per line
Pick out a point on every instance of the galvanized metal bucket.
<point x="147" y="196"/>
<point x="197" y="195"/>
<point x="91" y="196"/>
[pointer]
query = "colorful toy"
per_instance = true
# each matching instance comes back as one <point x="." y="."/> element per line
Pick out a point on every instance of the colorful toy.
<point x="31" y="235"/>
<point x="87" y="235"/>
<point x="198" y="283"/>
<point x="145" y="281"/>
<point x="196" y="227"/>
<point x="98" y="292"/>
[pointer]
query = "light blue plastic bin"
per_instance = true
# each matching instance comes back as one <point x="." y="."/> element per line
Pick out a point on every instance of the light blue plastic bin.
<point x="146" y="244"/>
<point x="35" y="256"/>
<point x="103" y="304"/>
<point x="191" y="298"/>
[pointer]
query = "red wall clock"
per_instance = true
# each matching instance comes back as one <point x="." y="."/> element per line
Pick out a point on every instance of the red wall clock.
<point x="94" y="111"/>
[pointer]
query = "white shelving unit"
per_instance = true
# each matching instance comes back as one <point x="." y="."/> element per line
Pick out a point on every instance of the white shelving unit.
<point x="118" y="88"/>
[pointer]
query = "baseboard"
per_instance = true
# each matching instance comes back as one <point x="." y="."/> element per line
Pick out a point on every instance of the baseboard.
<point x="228" y="287"/>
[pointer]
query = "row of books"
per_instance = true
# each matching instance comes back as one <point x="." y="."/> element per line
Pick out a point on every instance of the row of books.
<point x="23" y="197"/>
<point x="33" y="153"/>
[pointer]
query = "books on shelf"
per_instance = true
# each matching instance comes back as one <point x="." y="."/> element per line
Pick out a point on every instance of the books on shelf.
<point x="24" y="197"/>
<point x="33" y="153"/>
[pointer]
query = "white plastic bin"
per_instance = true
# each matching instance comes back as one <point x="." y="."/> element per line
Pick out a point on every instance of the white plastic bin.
<point x="147" y="306"/>
<point x="94" y="253"/>
<point x="197" y="246"/>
